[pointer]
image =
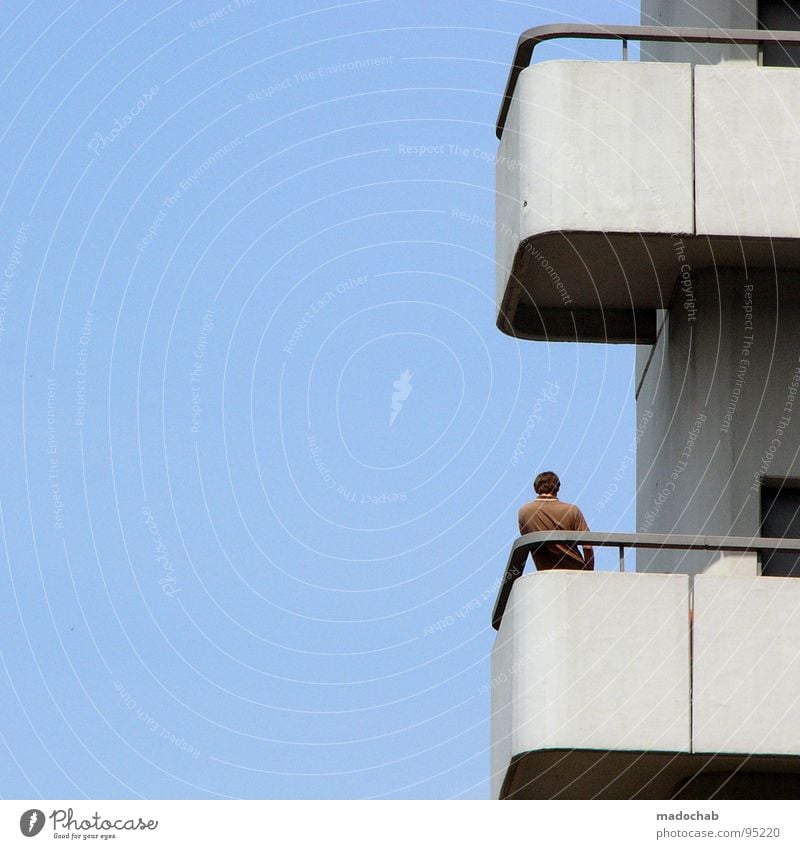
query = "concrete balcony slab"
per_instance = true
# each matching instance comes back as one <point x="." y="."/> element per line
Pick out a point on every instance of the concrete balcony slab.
<point x="591" y="149"/>
<point x="619" y="181"/>
<point x="591" y="661"/>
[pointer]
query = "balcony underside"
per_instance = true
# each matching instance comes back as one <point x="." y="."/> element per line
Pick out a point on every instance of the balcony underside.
<point x="639" y="273"/>
<point x="592" y="774"/>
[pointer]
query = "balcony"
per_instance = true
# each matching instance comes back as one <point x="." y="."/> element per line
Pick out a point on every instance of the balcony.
<point x="645" y="685"/>
<point x="616" y="181"/>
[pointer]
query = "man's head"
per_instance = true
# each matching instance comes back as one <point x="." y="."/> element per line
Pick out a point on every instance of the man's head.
<point x="546" y="483"/>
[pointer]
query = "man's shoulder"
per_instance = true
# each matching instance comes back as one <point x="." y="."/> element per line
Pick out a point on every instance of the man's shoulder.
<point x="577" y="518"/>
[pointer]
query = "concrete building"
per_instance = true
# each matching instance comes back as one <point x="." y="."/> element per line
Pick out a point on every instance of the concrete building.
<point x="657" y="203"/>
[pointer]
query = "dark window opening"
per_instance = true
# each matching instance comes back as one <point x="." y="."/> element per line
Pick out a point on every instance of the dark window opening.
<point x="777" y="15"/>
<point x="780" y="517"/>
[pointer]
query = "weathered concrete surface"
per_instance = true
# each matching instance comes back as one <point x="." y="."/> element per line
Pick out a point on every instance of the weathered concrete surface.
<point x="595" y="146"/>
<point x="591" y="661"/>
<point x="592" y="148"/>
<point x="746" y="665"/>
<point x="734" y="566"/>
<point x="591" y="692"/>
<point x="747" y="137"/>
<point x="611" y="195"/>
<point x="722" y="392"/>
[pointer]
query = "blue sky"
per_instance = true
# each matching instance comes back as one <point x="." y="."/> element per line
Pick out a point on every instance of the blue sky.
<point x="264" y="446"/>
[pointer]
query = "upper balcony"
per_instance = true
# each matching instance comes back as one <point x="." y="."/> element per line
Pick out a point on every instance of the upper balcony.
<point x="644" y="685"/>
<point x="616" y="180"/>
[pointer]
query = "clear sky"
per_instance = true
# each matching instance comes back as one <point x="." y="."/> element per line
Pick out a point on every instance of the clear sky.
<point x="264" y="446"/>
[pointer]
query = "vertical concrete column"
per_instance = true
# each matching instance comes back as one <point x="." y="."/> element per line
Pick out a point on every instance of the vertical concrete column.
<point x="721" y="391"/>
<point x="740" y="14"/>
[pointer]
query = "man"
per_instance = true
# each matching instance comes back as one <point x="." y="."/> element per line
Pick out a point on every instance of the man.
<point x="547" y="513"/>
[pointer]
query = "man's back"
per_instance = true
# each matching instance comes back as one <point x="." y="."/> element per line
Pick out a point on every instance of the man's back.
<point x="547" y="513"/>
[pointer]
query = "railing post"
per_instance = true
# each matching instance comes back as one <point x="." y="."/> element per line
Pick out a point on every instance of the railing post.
<point x="622" y="558"/>
<point x="624" y="49"/>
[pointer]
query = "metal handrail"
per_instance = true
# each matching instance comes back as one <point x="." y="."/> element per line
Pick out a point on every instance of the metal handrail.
<point x="529" y="543"/>
<point x="532" y="37"/>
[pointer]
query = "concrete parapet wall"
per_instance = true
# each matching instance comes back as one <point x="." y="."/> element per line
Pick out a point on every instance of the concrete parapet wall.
<point x="747" y="134"/>
<point x="594" y="146"/>
<point x="601" y="145"/>
<point x="591" y="660"/>
<point x="617" y="182"/>
<point x="746" y="665"/>
<point x="607" y="662"/>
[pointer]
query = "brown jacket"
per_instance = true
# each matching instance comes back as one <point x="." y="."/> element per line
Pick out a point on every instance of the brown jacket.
<point x="547" y="513"/>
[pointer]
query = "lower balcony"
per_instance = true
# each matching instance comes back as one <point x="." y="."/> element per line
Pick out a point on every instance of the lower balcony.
<point x="626" y="685"/>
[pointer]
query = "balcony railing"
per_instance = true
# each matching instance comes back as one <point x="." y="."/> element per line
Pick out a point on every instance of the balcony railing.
<point x="529" y="543"/>
<point x="699" y="35"/>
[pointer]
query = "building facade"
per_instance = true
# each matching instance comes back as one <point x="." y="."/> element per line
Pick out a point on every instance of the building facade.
<point x="657" y="203"/>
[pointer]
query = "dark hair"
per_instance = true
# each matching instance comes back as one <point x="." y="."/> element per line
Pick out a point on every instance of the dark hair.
<point x="546" y="482"/>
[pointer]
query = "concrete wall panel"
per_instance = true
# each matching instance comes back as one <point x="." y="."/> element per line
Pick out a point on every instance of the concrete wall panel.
<point x="604" y="146"/>
<point x="747" y="164"/>
<point x="746" y="665"/>
<point x="593" y="660"/>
